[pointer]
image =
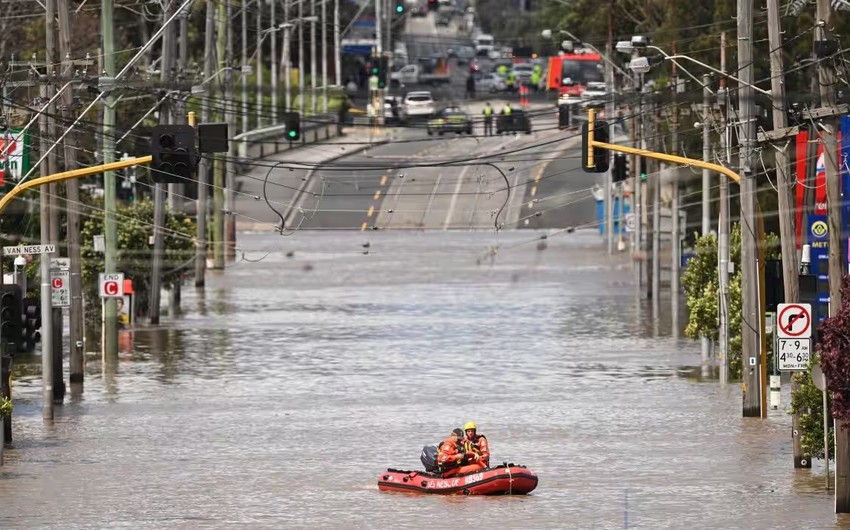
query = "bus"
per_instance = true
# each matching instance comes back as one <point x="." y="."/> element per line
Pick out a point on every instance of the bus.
<point x="569" y="73"/>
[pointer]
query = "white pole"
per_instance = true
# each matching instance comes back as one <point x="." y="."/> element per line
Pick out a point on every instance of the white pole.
<point x="337" y="50"/>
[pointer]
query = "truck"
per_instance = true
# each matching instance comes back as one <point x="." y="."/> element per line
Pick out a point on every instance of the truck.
<point x="423" y="72"/>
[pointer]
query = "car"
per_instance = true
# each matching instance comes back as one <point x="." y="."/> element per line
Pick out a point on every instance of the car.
<point x="516" y="121"/>
<point x="392" y="110"/>
<point x="523" y="72"/>
<point x="418" y="11"/>
<point x="442" y="21"/>
<point x="450" y="119"/>
<point x="490" y="83"/>
<point x="418" y="104"/>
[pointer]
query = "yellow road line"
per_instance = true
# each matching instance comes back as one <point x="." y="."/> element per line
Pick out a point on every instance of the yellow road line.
<point x="533" y="191"/>
<point x="377" y="195"/>
<point x="383" y="180"/>
<point x="371" y="211"/>
<point x="363" y="226"/>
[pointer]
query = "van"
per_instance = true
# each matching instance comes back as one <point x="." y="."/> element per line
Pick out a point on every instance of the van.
<point x="484" y="45"/>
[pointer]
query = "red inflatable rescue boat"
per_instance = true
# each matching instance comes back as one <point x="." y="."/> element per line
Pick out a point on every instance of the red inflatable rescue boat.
<point x="507" y="479"/>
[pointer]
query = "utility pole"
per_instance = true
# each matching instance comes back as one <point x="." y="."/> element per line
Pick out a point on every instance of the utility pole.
<point x="609" y="115"/>
<point x="723" y="224"/>
<point x="169" y="56"/>
<point x="273" y="37"/>
<point x="58" y="394"/>
<point x="259" y="6"/>
<point x="218" y="163"/>
<point x="656" y="212"/>
<point x="787" y="234"/>
<point x="72" y="191"/>
<point x="287" y="57"/>
<point x="637" y="197"/>
<point x="204" y="165"/>
<point x="705" y="342"/>
<point x="674" y="210"/>
<point x="44" y="263"/>
<point x="826" y="81"/>
<point x="225" y="9"/>
<point x="337" y="51"/>
<point x="750" y="311"/>
<point x="208" y="48"/>
<point x="325" y="55"/>
<point x="110" y="240"/>
<point x="313" y="106"/>
<point x="301" y="59"/>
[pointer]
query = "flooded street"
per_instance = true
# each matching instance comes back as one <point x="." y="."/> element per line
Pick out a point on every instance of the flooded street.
<point x="277" y="399"/>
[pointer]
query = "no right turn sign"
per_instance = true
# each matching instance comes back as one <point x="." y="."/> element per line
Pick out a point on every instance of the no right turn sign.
<point x="794" y="321"/>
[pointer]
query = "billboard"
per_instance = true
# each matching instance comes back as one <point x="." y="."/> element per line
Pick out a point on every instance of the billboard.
<point x="14" y="154"/>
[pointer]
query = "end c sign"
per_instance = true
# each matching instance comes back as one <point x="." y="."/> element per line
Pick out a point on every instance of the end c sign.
<point x="111" y="285"/>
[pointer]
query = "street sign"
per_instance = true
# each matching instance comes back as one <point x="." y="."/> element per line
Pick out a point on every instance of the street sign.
<point x="630" y="222"/>
<point x="793" y="354"/>
<point x="60" y="288"/>
<point x="794" y="321"/>
<point x="21" y="250"/>
<point x="112" y="285"/>
<point x="60" y="263"/>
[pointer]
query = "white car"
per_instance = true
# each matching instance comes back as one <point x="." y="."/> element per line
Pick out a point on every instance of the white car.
<point x="490" y="83"/>
<point x="418" y="104"/>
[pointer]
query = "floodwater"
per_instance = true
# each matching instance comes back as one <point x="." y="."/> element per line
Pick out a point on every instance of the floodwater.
<point x="277" y="399"/>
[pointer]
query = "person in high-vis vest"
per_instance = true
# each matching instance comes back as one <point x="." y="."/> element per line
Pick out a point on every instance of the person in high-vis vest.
<point x="506" y="110"/>
<point x="488" y="119"/>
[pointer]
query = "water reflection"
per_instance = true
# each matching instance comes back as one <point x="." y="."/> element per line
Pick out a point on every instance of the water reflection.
<point x="279" y="395"/>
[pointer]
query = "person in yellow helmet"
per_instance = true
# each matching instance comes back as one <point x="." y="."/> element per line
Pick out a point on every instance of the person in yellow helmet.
<point x="475" y="445"/>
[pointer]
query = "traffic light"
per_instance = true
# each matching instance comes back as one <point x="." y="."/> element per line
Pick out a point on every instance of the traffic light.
<point x="383" y="69"/>
<point x="642" y="168"/>
<point x="620" y="171"/>
<point x="376" y="67"/>
<point x="175" y="157"/>
<point x="31" y="321"/>
<point x="292" y="120"/>
<point x="600" y="155"/>
<point x="432" y="5"/>
<point x="10" y="316"/>
<point x="399" y="8"/>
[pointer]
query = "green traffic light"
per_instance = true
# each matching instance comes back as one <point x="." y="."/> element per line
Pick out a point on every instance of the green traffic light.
<point x="292" y="134"/>
<point x="399" y="9"/>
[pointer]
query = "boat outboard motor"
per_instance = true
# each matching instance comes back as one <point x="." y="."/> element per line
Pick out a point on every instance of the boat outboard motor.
<point x="429" y="457"/>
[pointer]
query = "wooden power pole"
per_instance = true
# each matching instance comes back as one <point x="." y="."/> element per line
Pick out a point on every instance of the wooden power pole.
<point x="750" y="310"/>
<point x="72" y="191"/>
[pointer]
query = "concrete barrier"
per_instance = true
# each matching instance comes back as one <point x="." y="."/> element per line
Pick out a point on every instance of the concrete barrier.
<point x="260" y="143"/>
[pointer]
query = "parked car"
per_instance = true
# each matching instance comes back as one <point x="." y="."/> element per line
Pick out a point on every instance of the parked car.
<point x="442" y="21"/>
<point x="418" y="11"/>
<point x="418" y="104"/>
<point x="516" y="121"/>
<point x="450" y="119"/>
<point x="523" y="72"/>
<point x="490" y="83"/>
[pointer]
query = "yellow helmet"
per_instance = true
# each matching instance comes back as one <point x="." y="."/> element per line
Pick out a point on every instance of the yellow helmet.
<point x="470" y="425"/>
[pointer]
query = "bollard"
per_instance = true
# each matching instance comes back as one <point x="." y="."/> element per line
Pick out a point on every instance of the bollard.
<point x="775" y="386"/>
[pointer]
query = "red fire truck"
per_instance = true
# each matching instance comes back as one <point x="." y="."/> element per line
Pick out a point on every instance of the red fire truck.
<point x="570" y="72"/>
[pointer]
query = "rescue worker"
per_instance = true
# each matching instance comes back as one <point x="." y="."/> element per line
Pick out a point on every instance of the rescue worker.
<point x="477" y="445"/>
<point x="488" y="119"/>
<point x="511" y="81"/>
<point x="450" y="456"/>
<point x="506" y="110"/>
<point x="536" y="74"/>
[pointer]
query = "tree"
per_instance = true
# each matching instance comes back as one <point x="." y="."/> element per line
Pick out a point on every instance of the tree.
<point x="135" y="226"/>
<point x="701" y="287"/>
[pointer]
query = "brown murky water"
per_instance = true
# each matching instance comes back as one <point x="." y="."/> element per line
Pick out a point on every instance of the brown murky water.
<point x="279" y="397"/>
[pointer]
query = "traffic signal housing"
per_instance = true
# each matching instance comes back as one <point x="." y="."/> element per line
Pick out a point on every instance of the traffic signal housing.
<point x="399" y="7"/>
<point x="175" y="157"/>
<point x="601" y="160"/>
<point x="383" y="71"/>
<point x="10" y="316"/>
<point x="31" y="321"/>
<point x="620" y="170"/>
<point x="292" y="121"/>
